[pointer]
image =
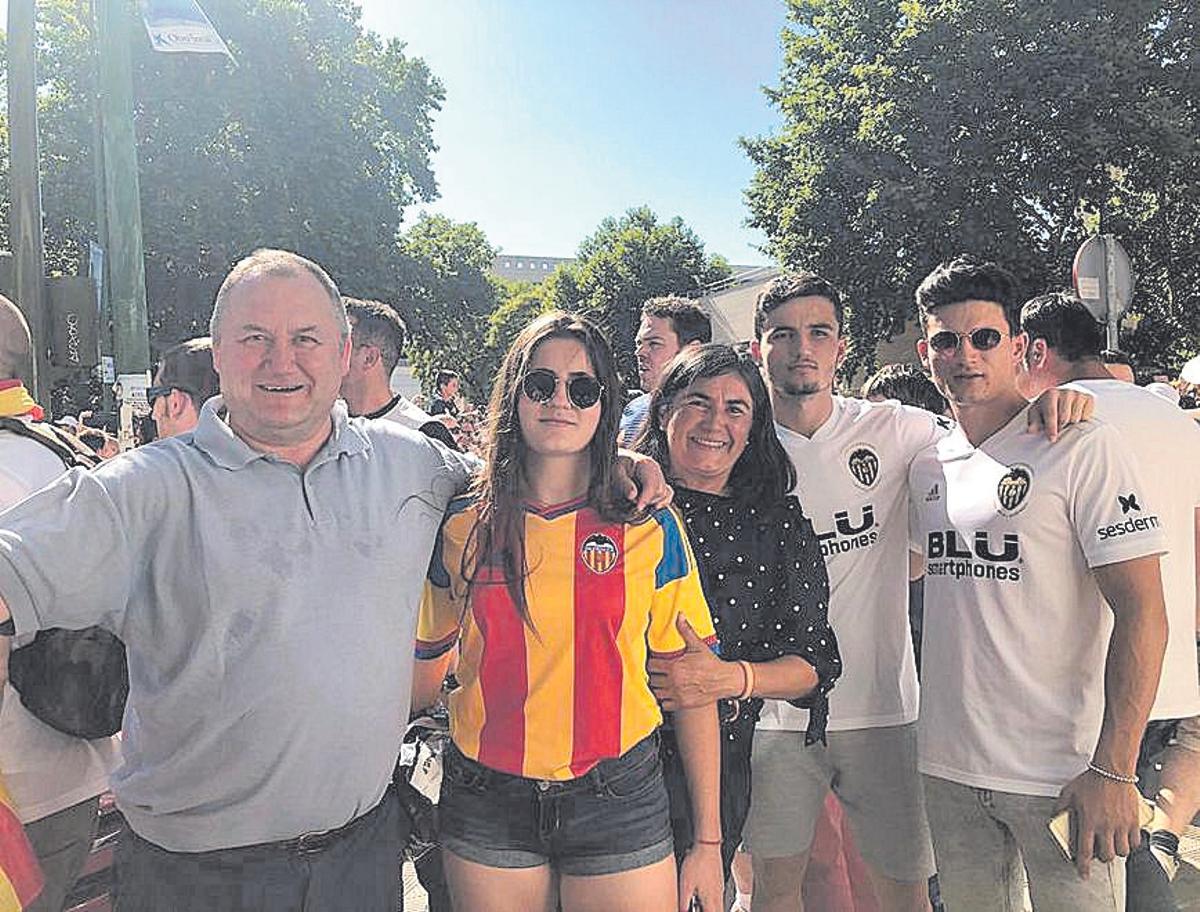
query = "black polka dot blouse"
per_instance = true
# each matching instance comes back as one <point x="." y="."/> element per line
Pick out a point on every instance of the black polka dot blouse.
<point x="766" y="585"/>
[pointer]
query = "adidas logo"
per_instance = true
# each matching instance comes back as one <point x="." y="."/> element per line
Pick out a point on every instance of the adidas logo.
<point x="935" y="493"/>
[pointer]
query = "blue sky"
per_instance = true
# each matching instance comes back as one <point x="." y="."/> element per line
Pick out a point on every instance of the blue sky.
<point x="560" y="112"/>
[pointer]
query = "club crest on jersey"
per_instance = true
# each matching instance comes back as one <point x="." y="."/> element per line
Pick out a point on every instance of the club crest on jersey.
<point x="863" y="463"/>
<point x="599" y="552"/>
<point x="1013" y="489"/>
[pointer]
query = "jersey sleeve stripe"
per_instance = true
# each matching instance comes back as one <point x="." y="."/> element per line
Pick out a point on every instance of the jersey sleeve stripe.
<point x="674" y="562"/>
<point x="431" y="649"/>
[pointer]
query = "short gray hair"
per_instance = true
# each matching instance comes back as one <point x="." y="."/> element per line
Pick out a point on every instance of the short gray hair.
<point x="271" y="262"/>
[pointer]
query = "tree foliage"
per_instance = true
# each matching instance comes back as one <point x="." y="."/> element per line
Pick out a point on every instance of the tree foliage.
<point x="448" y="300"/>
<point x="912" y="131"/>
<point x="315" y="142"/>
<point x="627" y="260"/>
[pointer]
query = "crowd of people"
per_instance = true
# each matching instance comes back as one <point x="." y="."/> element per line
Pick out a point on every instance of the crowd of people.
<point x="679" y="633"/>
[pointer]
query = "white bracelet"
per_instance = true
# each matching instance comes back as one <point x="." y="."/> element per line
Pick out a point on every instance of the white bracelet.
<point x="1109" y="774"/>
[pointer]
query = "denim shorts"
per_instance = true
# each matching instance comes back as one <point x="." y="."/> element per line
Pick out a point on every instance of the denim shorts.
<point x="613" y="818"/>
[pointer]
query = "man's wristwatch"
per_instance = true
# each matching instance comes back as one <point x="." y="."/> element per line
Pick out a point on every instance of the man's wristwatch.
<point x="8" y="628"/>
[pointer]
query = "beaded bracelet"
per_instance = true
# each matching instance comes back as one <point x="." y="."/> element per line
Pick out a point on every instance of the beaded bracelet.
<point x="1109" y="774"/>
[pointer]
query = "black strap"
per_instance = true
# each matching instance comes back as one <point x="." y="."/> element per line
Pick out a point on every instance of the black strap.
<point x="72" y="451"/>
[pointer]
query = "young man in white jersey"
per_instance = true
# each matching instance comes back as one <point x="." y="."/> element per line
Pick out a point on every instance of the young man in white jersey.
<point x="1035" y="691"/>
<point x="1064" y="347"/>
<point x="851" y="459"/>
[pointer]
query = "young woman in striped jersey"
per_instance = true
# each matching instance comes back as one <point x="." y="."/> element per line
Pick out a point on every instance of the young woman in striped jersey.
<point x="556" y="600"/>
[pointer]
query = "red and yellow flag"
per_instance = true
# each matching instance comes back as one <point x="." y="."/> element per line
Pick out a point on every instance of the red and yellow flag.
<point x="20" y="876"/>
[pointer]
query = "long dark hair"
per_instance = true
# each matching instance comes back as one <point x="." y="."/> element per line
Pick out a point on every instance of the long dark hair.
<point x="496" y="547"/>
<point x="763" y="471"/>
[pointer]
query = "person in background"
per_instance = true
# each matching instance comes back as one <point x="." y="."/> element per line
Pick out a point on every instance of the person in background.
<point x="445" y="401"/>
<point x="183" y="382"/>
<point x="908" y="385"/>
<point x="1064" y="348"/>
<point x="102" y="443"/>
<point x="556" y="601"/>
<point x="378" y="336"/>
<point x="1119" y="364"/>
<point x="668" y="325"/>
<point x="713" y="432"/>
<point x="55" y="780"/>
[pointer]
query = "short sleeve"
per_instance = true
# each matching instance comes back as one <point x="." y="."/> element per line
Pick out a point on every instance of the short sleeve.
<point x="920" y="429"/>
<point x="916" y="537"/>
<point x="1112" y="519"/>
<point x="75" y="523"/>
<point x="677" y="591"/>
<point x="439" y="620"/>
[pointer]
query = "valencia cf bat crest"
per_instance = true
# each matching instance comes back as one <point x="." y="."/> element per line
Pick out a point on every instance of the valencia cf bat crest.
<point x="863" y="463"/>
<point x="599" y="552"/>
<point x="1014" y="488"/>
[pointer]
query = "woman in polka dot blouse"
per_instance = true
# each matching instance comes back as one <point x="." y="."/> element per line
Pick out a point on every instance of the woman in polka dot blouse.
<point x="760" y="565"/>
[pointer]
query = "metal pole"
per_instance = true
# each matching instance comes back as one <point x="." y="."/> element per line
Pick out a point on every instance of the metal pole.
<point x="105" y="334"/>
<point x="1110" y="283"/>
<point x="25" y="192"/>
<point x="122" y="197"/>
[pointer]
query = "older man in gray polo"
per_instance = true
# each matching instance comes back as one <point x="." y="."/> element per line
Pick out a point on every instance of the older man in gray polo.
<point x="264" y="573"/>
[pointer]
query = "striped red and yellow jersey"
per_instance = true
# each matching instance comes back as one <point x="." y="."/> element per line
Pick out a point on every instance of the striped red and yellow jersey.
<point x="20" y="876"/>
<point x="552" y="698"/>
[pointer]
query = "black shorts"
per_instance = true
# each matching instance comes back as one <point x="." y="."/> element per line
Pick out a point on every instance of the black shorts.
<point x="613" y="818"/>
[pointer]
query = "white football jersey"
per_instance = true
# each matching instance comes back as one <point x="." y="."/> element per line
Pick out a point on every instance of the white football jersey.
<point x="1016" y="631"/>
<point x="852" y="481"/>
<point x="1165" y="443"/>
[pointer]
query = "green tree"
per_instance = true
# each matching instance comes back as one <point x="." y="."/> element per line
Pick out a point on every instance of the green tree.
<point x="315" y="141"/>
<point x="627" y="260"/>
<point x="447" y="299"/>
<point x="912" y="131"/>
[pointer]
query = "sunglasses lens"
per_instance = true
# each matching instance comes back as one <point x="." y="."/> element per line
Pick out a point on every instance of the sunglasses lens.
<point x="944" y="341"/>
<point x="985" y="338"/>
<point x="539" y="385"/>
<point x="584" y="392"/>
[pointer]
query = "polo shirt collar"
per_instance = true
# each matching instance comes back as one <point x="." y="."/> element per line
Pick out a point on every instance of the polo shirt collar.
<point x="215" y="437"/>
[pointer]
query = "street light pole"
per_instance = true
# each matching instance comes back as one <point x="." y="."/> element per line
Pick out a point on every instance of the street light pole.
<point x="122" y="195"/>
<point x="25" y="191"/>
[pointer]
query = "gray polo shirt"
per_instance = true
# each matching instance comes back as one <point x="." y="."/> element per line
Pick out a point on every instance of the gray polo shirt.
<point x="268" y="612"/>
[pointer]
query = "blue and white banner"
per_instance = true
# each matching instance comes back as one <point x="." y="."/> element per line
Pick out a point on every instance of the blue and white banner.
<point x="181" y="27"/>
